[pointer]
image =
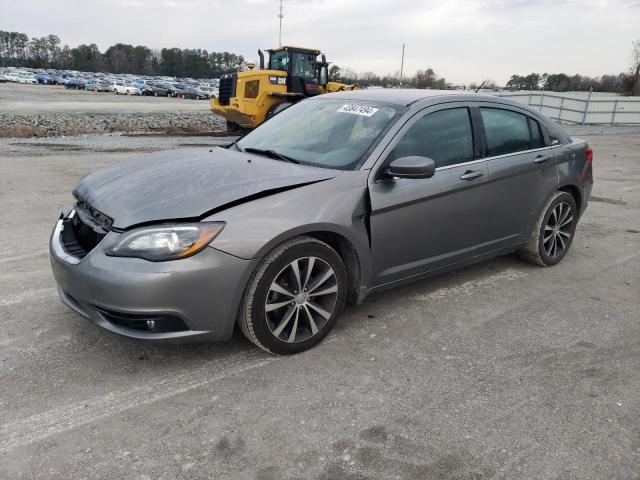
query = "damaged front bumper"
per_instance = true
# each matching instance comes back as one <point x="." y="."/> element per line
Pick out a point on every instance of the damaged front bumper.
<point x="195" y="298"/>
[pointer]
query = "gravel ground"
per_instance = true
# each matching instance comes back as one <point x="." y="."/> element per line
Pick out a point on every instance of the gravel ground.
<point x="501" y="370"/>
<point x="110" y="143"/>
<point x="44" y="111"/>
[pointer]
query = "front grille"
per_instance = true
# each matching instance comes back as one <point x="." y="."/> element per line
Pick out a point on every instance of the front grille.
<point x="78" y="238"/>
<point x="227" y="88"/>
<point x="92" y="217"/>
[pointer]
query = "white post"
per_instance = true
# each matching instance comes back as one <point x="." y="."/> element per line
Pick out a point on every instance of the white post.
<point x="586" y="108"/>
<point x="613" y="115"/>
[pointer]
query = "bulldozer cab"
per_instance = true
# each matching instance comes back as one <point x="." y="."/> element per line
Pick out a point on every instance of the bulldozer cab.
<point x="305" y="74"/>
<point x="249" y="97"/>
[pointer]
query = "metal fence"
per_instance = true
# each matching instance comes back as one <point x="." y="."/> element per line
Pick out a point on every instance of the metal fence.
<point x="586" y="108"/>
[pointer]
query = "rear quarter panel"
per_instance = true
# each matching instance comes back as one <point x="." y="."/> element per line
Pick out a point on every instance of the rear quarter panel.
<point x="575" y="171"/>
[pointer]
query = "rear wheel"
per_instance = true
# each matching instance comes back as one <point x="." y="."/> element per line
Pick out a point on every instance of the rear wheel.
<point x="295" y="297"/>
<point x="553" y="232"/>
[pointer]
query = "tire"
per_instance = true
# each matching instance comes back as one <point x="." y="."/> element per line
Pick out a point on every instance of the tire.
<point x="276" y="108"/>
<point x="553" y="231"/>
<point x="297" y="320"/>
<point x="232" y="127"/>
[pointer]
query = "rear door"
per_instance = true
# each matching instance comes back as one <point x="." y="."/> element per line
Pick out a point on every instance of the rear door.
<point x="418" y="225"/>
<point x="522" y="169"/>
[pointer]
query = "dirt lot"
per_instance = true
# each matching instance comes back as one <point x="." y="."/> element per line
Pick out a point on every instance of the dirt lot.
<point x="501" y="370"/>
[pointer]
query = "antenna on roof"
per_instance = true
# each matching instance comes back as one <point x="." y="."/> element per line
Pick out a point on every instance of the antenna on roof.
<point x="481" y="85"/>
<point x="280" y="16"/>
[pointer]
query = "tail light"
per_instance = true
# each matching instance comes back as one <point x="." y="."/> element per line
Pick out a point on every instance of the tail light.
<point x="589" y="153"/>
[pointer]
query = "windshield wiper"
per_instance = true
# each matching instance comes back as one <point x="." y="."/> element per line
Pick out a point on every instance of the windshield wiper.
<point x="271" y="154"/>
<point x="234" y="144"/>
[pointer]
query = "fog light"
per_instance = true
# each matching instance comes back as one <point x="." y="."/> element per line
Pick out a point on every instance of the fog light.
<point x="151" y="324"/>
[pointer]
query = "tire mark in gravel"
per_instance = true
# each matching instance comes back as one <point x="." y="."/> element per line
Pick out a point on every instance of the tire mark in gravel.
<point x="12" y="257"/>
<point x="55" y="421"/>
<point x="26" y="296"/>
<point x="469" y="287"/>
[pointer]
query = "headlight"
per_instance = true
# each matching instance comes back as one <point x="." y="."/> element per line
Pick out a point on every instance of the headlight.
<point x="165" y="242"/>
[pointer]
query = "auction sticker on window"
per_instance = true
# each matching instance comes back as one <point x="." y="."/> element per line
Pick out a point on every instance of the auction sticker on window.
<point x="363" y="110"/>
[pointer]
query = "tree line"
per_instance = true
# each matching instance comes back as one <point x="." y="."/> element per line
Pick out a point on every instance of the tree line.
<point x="17" y="49"/>
<point x="421" y="79"/>
<point x="627" y="83"/>
<point x="561" y="82"/>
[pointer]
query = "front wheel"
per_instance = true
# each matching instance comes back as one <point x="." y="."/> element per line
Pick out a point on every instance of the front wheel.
<point x="295" y="297"/>
<point x="553" y="232"/>
<point x="276" y="108"/>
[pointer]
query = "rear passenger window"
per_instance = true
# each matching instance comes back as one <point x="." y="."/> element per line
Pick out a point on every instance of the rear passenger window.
<point x="537" y="141"/>
<point x="506" y="131"/>
<point x="445" y="136"/>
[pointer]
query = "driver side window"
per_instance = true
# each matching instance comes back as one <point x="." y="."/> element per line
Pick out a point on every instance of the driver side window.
<point x="444" y="136"/>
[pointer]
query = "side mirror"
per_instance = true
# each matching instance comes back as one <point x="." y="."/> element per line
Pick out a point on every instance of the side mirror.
<point x="412" y="167"/>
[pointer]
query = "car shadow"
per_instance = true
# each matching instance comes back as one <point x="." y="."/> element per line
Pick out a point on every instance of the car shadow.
<point x="126" y="350"/>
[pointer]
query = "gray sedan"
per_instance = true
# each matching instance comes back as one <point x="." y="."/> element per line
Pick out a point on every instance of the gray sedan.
<point x="334" y="198"/>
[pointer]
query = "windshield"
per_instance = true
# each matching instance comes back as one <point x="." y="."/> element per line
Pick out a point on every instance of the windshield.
<point x="280" y="60"/>
<point x="304" y="65"/>
<point x="324" y="133"/>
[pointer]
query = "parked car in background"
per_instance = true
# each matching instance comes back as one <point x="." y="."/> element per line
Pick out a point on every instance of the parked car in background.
<point x="125" y="88"/>
<point x="203" y="93"/>
<point x="58" y="79"/>
<point x="11" y="76"/>
<point x="124" y="84"/>
<point x="175" y="89"/>
<point x="413" y="183"/>
<point x="75" y="84"/>
<point x="44" y="78"/>
<point x="27" y="77"/>
<point x="97" y="85"/>
<point x="154" y="89"/>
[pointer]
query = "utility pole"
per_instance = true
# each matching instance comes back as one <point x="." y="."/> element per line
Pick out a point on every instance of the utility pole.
<point x="280" y="16"/>
<point x="402" y="64"/>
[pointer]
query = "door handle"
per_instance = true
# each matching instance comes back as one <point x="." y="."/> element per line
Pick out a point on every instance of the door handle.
<point x="541" y="159"/>
<point x="471" y="175"/>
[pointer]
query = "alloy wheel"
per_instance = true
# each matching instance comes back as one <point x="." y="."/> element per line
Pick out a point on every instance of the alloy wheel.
<point x="558" y="230"/>
<point x="301" y="299"/>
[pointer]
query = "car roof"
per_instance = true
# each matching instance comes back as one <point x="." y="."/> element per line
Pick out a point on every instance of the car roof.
<point x="409" y="96"/>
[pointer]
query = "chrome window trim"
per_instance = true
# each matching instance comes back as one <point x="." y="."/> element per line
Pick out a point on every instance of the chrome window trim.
<point x="498" y="156"/>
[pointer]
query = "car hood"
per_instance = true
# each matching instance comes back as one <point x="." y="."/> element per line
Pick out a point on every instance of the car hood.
<point x="187" y="184"/>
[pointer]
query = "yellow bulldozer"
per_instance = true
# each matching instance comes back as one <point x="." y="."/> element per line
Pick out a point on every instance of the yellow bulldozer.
<point x="248" y="98"/>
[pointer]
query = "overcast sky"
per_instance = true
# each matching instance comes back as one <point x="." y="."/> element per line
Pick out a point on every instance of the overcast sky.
<point x="463" y="40"/>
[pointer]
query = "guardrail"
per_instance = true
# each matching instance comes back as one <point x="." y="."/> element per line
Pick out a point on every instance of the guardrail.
<point x="593" y="110"/>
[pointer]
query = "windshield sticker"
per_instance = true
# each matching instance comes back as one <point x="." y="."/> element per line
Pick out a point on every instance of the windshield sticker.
<point x="358" y="110"/>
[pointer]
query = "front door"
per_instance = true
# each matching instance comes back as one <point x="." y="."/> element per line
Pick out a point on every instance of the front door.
<point x="418" y="225"/>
